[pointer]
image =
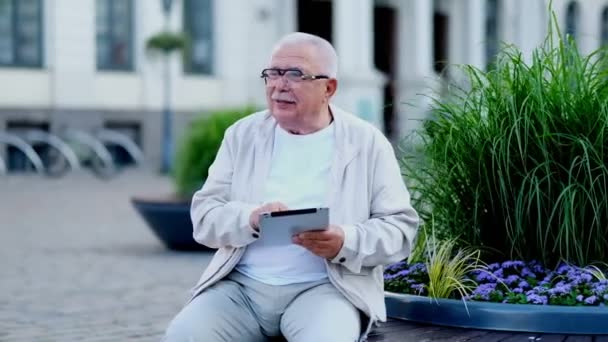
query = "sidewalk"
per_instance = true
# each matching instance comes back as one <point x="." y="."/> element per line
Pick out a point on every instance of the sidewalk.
<point x="78" y="264"/>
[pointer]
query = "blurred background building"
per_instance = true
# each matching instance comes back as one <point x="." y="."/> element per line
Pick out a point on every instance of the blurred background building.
<point x="83" y="63"/>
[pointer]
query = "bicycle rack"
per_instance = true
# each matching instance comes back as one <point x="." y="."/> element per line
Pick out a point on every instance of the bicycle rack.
<point x="97" y="148"/>
<point x="23" y="146"/>
<point x="122" y="140"/>
<point x="37" y="136"/>
<point x="2" y="166"/>
<point x="69" y="147"/>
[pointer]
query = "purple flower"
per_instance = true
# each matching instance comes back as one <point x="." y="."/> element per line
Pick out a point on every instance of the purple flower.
<point x="494" y="266"/>
<point x="512" y="279"/>
<point x="517" y="290"/>
<point x="548" y="278"/>
<point x="523" y="284"/>
<point x="419" y="267"/>
<point x="587" y="277"/>
<point x="484" y="276"/>
<point x="576" y="280"/>
<point x="514" y="263"/>
<point x="536" y="299"/>
<point x="499" y="273"/>
<point x="579" y="298"/>
<point x="479" y="276"/>
<point x="526" y="273"/>
<point x="591" y="300"/>
<point x="537" y="292"/>
<point x="564" y="268"/>
<point x="537" y="267"/>
<point x="403" y="273"/>
<point x="484" y="291"/>
<point x="389" y="276"/>
<point x="599" y="288"/>
<point x="560" y="289"/>
<point x="419" y="288"/>
<point x="396" y="266"/>
<point x="606" y="296"/>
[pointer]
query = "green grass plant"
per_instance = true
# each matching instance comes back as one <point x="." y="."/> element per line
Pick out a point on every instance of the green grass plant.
<point x="448" y="266"/>
<point x="516" y="161"/>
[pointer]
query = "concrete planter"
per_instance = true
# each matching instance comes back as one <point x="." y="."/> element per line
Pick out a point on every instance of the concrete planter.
<point x="497" y="316"/>
<point x="169" y="220"/>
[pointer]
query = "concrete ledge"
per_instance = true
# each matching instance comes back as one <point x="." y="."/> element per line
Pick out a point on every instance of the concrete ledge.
<point x="497" y="316"/>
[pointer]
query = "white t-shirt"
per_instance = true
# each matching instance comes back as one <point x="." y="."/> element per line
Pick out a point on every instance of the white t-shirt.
<point x="299" y="177"/>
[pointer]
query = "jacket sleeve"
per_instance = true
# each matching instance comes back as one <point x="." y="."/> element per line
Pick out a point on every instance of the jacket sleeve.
<point x="217" y="220"/>
<point x="388" y="235"/>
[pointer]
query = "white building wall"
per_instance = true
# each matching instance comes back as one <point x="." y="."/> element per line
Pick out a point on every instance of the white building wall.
<point x="589" y="36"/>
<point x="527" y="25"/>
<point x="466" y="33"/>
<point x="360" y="84"/>
<point x="24" y="88"/>
<point x="73" y="54"/>
<point x="269" y="21"/>
<point x="244" y="34"/>
<point x="415" y="70"/>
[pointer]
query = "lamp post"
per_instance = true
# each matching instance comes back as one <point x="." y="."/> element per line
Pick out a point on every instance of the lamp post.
<point x="167" y="139"/>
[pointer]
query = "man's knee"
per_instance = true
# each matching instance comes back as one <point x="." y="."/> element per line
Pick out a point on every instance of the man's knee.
<point x="218" y="314"/>
<point x="190" y="325"/>
<point x="196" y="321"/>
<point x="180" y="331"/>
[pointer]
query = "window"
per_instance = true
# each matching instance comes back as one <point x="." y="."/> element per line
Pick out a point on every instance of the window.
<point x="21" y="33"/>
<point x="604" y="27"/>
<point x="198" y="25"/>
<point x="572" y="20"/>
<point x="114" y="27"/>
<point x="492" y="39"/>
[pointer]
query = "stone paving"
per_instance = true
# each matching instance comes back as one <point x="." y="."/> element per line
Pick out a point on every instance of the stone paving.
<point x="77" y="263"/>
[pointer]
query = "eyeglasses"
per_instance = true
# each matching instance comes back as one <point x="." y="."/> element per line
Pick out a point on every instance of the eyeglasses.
<point x="292" y="75"/>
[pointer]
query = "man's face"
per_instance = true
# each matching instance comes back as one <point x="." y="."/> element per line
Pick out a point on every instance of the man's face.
<point x="295" y="102"/>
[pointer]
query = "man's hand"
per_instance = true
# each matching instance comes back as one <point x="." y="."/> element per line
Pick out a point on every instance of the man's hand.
<point x="324" y="243"/>
<point x="254" y="218"/>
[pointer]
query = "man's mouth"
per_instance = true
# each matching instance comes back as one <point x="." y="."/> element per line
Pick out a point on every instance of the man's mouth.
<point x="284" y="101"/>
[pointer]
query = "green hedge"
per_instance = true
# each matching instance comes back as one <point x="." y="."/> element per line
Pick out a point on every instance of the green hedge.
<point x="199" y="147"/>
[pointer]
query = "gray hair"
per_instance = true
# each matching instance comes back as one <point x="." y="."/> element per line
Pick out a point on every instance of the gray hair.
<point x="324" y="48"/>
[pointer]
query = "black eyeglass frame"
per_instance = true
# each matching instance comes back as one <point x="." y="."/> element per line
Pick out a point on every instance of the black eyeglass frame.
<point x="282" y="72"/>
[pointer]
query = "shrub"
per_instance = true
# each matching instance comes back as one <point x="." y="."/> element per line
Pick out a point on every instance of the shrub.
<point x="516" y="161"/>
<point x="199" y="147"/>
<point x="167" y="42"/>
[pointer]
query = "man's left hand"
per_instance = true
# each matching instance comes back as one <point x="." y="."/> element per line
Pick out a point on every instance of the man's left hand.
<point x="324" y="243"/>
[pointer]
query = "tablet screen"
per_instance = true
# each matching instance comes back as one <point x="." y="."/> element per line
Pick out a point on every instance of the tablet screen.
<point x="278" y="228"/>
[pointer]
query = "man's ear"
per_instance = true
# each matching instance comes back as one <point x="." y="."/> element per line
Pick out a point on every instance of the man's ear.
<point x="331" y="87"/>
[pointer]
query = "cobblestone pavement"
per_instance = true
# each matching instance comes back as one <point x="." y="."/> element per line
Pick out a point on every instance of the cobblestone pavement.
<point x="77" y="263"/>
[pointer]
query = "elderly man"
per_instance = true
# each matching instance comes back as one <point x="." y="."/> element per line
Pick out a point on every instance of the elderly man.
<point x="302" y="152"/>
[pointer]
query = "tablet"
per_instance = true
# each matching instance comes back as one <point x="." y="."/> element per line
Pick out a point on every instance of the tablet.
<point x="277" y="228"/>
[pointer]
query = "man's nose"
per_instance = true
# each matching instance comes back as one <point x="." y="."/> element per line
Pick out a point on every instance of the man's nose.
<point x="283" y="82"/>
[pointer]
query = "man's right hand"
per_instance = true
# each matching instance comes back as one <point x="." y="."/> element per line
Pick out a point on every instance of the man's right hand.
<point x="254" y="219"/>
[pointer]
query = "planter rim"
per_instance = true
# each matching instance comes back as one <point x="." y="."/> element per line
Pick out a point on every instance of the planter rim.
<point x="555" y="319"/>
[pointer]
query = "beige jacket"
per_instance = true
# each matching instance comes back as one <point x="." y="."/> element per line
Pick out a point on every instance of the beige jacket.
<point x="368" y="199"/>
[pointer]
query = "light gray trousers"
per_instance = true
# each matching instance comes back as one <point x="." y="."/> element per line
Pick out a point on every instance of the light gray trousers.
<point x="239" y="308"/>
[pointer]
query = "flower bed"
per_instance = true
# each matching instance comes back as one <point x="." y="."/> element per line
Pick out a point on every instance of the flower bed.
<point x="515" y="282"/>
<point x="568" y="300"/>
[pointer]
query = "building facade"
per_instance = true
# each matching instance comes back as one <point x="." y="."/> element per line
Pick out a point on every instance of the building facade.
<point x="83" y="63"/>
